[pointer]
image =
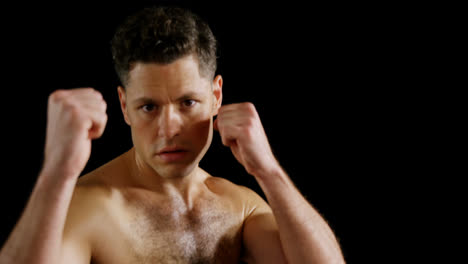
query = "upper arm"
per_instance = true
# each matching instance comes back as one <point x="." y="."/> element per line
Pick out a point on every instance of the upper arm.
<point x="260" y="236"/>
<point x="76" y="246"/>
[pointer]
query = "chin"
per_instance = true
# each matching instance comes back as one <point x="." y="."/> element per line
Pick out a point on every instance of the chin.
<point x="174" y="170"/>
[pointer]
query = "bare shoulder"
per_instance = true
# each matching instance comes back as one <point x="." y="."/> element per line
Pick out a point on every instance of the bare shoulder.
<point x="248" y="198"/>
<point x="93" y="201"/>
<point x="91" y="191"/>
<point x="86" y="206"/>
<point x="223" y="186"/>
<point x="90" y="207"/>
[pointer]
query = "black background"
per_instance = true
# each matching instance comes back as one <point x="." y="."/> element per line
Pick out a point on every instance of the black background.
<point x="333" y="84"/>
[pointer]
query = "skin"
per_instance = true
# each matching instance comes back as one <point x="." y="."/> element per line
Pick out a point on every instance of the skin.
<point x="152" y="206"/>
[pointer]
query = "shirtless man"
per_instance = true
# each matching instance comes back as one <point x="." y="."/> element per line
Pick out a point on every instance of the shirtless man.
<point x="154" y="204"/>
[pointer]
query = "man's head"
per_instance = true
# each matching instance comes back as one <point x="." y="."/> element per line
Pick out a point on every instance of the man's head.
<point x="166" y="60"/>
<point x="163" y="35"/>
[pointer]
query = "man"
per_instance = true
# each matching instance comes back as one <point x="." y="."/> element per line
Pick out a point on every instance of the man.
<point x="154" y="204"/>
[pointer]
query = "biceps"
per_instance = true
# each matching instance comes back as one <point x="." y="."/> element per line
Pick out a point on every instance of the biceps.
<point x="76" y="246"/>
<point x="261" y="240"/>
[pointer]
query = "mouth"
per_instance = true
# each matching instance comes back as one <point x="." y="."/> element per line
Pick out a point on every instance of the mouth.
<point x="171" y="150"/>
<point x="172" y="154"/>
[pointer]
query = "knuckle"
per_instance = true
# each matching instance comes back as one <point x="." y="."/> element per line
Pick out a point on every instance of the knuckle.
<point x="73" y="109"/>
<point x="104" y="119"/>
<point x="70" y="108"/>
<point x="88" y="89"/>
<point x="250" y="122"/>
<point x="98" y="94"/>
<point x="249" y="106"/>
<point x="104" y="105"/>
<point x="57" y="96"/>
<point x="247" y="131"/>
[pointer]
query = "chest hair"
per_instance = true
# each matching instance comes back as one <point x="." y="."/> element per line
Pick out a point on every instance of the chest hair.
<point x="163" y="232"/>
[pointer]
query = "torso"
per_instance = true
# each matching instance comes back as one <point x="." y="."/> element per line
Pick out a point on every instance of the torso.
<point x="140" y="226"/>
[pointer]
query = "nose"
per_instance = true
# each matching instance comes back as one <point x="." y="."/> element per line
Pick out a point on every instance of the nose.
<point x="170" y="122"/>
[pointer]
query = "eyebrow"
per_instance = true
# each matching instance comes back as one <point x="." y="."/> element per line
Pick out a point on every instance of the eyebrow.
<point x="189" y="95"/>
<point x="149" y="100"/>
<point x="144" y="100"/>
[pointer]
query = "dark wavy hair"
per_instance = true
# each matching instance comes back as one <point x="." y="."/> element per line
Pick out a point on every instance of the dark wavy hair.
<point x="163" y="35"/>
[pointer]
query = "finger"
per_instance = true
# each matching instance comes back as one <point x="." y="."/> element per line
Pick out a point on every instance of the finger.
<point x="228" y="141"/>
<point x="99" y="121"/>
<point x="246" y="106"/>
<point x="231" y="107"/>
<point x="228" y="135"/>
<point x="90" y="107"/>
<point x="93" y="100"/>
<point x="83" y="93"/>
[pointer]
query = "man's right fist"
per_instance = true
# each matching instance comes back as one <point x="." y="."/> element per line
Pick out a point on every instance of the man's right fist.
<point x="74" y="118"/>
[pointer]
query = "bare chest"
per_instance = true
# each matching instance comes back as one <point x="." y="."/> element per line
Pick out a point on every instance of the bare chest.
<point x="162" y="233"/>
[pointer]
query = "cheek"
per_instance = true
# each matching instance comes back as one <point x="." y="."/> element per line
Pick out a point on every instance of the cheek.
<point x="200" y="129"/>
<point x="142" y="133"/>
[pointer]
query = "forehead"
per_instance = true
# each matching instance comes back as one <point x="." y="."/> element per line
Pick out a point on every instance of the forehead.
<point x="179" y="76"/>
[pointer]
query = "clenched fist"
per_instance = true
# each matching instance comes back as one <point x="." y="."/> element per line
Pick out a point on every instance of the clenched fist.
<point x="74" y="118"/>
<point x="241" y="129"/>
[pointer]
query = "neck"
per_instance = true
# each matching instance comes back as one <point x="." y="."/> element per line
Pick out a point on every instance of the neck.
<point x="145" y="177"/>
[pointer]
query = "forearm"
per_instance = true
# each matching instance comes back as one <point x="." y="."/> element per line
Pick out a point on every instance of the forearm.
<point x="37" y="235"/>
<point x="304" y="234"/>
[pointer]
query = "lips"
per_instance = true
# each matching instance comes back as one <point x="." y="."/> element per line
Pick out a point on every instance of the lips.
<point x="172" y="154"/>
<point x="171" y="149"/>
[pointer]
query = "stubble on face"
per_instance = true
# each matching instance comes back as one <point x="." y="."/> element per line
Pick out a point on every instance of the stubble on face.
<point x="172" y="124"/>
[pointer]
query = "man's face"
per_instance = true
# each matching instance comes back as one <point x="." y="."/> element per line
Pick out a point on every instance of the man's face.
<point x="170" y="109"/>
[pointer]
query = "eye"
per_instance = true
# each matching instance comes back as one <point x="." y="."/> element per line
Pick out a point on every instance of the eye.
<point x="189" y="103"/>
<point x="147" y="108"/>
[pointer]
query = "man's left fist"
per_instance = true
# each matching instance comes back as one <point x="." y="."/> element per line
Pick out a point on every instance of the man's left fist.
<point x="241" y="129"/>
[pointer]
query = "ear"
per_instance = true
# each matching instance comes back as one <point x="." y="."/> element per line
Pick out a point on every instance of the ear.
<point x="218" y="94"/>
<point x="123" y="103"/>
